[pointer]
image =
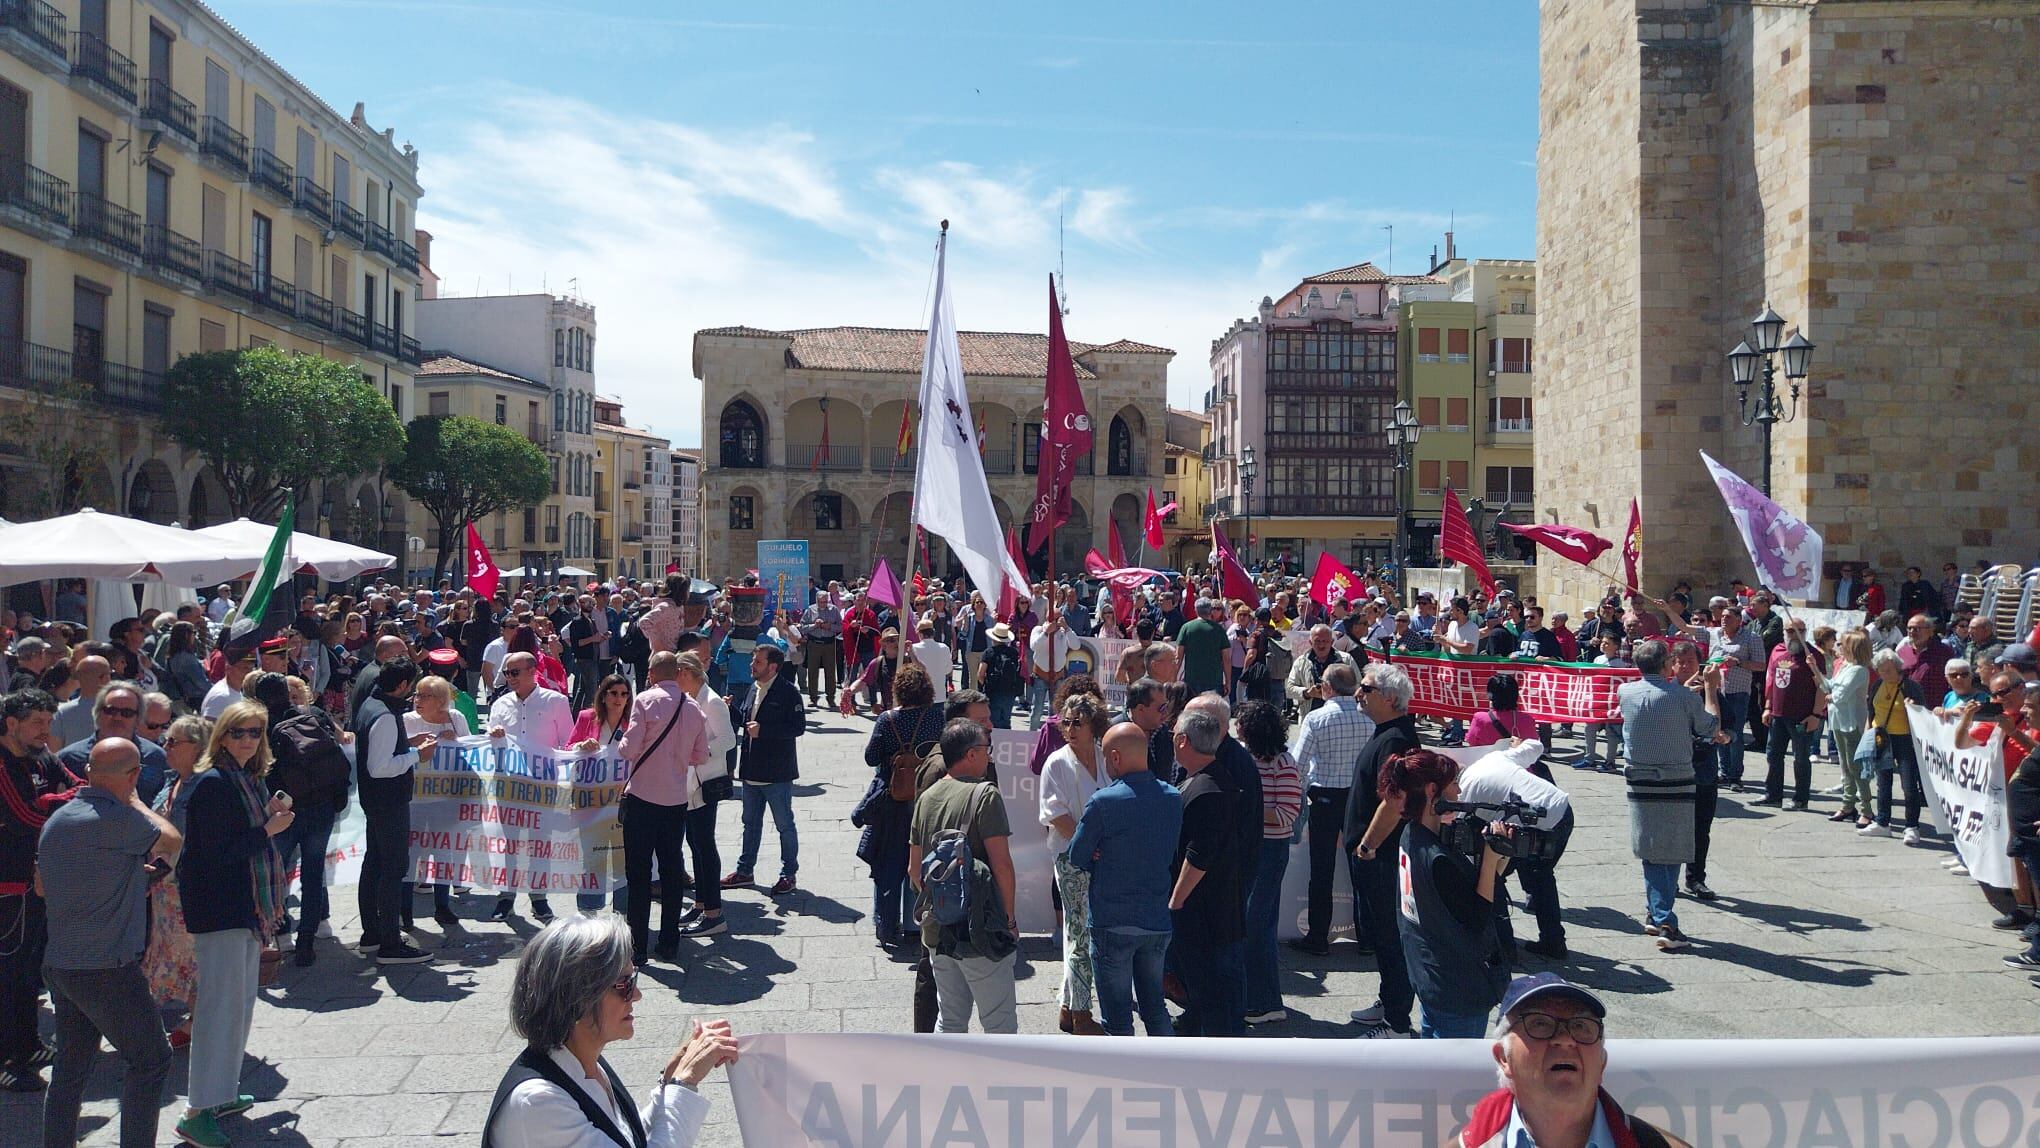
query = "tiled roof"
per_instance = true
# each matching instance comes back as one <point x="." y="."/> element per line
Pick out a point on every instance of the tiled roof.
<point x="441" y="363"/>
<point x="1129" y="347"/>
<point x="1366" y="273"/>
<point x="746" y="332"/>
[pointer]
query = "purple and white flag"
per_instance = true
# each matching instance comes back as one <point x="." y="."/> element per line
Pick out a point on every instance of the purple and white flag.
<point x="1785" y="551"/>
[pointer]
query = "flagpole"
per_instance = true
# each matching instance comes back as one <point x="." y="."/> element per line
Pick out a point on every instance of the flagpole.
<point x="913" y="521"/>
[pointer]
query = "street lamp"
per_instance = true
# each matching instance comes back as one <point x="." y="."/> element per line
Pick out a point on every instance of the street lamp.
<point x="1403" y="431"/>
<point x="1248" y="469"/>
<point x="1744" y="365"/>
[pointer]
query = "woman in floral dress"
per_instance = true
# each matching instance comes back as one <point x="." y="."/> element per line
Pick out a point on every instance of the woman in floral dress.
<point x="171" y="965"/>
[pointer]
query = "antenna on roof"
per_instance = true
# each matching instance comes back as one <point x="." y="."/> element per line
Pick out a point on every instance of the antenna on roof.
<point x="1390" y="228"/>
<point x="1062" y="294"/>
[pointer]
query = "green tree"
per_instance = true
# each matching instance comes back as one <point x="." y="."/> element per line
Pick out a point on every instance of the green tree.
<point x="269" y="421"/>
<point x="462" y="470"/>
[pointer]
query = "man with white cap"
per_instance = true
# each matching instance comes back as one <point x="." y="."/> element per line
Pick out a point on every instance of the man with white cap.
<point x="1551" y="1059"/>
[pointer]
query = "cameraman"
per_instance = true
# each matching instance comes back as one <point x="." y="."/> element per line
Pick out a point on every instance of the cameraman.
<point x="1496" y="779"/>
<point x="1448" y="909"/>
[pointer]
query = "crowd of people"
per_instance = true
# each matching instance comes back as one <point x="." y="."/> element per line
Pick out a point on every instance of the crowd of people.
<point x="160" y="784"/>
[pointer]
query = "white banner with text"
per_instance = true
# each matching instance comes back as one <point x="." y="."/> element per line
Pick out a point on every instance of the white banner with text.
<point x="518" y="819"/>
<point x="864" y="1091"/>
<point x="1965" y="790"/>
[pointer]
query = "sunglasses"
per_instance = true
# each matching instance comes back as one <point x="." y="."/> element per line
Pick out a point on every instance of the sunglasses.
<point x="627" y="987"/>
<point x="244" y="733"/>
<point x="120" y="711"/>
<point x="517" y="673"/>
<point x="2008" y="691"/>
<point x="1365" y="688"/>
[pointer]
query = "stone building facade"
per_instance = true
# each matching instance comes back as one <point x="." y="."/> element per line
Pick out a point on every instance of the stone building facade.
<point x="771" y="400"/>
<point x="1868" y="167"/>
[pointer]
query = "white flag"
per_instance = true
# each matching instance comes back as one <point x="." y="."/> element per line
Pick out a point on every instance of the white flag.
<point x="951" y="497"/>
<point x="1785" y="551"/>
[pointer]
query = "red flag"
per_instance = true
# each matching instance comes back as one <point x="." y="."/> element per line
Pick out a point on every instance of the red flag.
<point x="1115" y="548"/>
<point x="1632" y="543"/>
<point x="1153" y="523"/>
<point x="1065" y="434"/>
<point x="1333" y="579"/>
<point x="482" y="573"/>
<point x="1569" y="542"/>
<point x="1233" y="579"/>
<point x="1456" y="541"/>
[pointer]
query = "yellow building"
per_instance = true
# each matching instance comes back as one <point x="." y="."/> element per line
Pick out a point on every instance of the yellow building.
<point x="633" y="497"/>
<point x="1185" y="481"/>
<point x="1441" y="382"/>
<point x="165" y="188"/>
<point x="1503" y="296"/>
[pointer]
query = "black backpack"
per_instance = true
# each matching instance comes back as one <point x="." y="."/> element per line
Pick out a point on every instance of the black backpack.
<point x="310" y="764"/>
<point x="1002" y="670"/>
<point x="632" y="646"/>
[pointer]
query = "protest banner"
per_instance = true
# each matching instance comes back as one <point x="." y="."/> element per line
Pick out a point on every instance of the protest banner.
<point x="1451" y="686"/>
<point x="518" y="818"/>
<point x="783" y="574"/>
<point x="902" y="1090"/>
<point x="1033" y="865"/>
<point x="1965" y="795"/>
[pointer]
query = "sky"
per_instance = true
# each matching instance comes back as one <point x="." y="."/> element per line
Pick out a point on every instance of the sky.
<point x="692" y="165"/>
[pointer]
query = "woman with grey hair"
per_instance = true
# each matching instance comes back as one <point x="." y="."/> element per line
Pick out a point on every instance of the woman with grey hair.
<point x="572" y="997"/>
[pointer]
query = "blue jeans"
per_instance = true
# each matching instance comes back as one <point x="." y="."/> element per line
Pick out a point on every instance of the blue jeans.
<point x="1264" y="907"/>
<point x="1002" y="709"/>
<point x="309" y="833"/>
<point x="1038" y="698"/>
<point x="890" y="891"/>
<point x="1660" y="891"/>
<point x="1735" y="712"/>
<point x="1441" y="1025"/>
<point x="779" y="795"/>
<point x="1126" y="967"/>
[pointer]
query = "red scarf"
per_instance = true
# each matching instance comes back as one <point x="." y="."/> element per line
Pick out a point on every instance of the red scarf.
<point x="1491" y="1115"/>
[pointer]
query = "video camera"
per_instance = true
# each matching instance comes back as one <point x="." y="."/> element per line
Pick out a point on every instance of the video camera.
<point x="1467" y="834"/>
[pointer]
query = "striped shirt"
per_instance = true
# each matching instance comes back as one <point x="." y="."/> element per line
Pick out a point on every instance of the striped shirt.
<point x="1281" y="796"/>
<point x="1333" y="735"/>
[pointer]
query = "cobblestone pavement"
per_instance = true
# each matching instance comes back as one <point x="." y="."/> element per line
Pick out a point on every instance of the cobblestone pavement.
<point x="1817" y="933"/>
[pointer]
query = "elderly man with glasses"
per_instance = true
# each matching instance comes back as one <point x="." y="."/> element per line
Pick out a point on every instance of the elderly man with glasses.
<point x="1924" y="657"/>
<point x="117" y="712"/>
<point x="1549" y="1055"/>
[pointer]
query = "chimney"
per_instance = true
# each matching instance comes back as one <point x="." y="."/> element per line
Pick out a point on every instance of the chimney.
<point x="1450" y="254"/>
<point x="428" y="280"/>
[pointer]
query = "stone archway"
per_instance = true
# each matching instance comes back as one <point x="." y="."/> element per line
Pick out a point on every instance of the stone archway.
<point x="152" y="493"/>
<point x="1128" y="513"/>
<point x="1126" y="442"/>
<point x="830" y="521"/>
<point x="206" y="505"/>
<point x="743" y="437"/>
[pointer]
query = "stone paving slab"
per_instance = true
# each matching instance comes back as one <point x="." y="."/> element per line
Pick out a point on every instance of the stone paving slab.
<point x="1818" y="933"/>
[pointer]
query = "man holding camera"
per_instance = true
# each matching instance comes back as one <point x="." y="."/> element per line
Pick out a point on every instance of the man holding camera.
<point x="1496" y="780"/>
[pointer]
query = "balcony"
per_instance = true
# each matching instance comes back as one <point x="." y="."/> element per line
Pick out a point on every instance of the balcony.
<point x="315" y="309"/>
<point x="409" y="350"/>
<point x="94" y="61"/>
<point x="35" y="193"/>
<point x="42" y="26"/>
<point x="1510" y="426"/>
<point x="998" y="462"/>
<point x="353" y="325"/>
<point x="378" y="240"/>
<point x="537" y="434"/>
<point x="384" y="340"/>
<point x="633" y="536"/>
<point x="221" y="143"/>
<point x="163" y="107"/>
<point x="49" y="371"/>
<point x="1220" y="507"/>
<point x="808" y="456"/>
<point x="272" y="175"/>
<point x="94" y="218"/>
<point x="405" y="256"/>
<point x="1331" y="382"/>
<point x="1208" y="454"/>
<point x="225" y="273"/>
<point x="1328" y="505"/>
<point x="312" y="199"/>
<point x="1337" y="442"/>
<point x="632" y="483"/>
<point x="347" y="221"/>
<point x="168" y="251"/>
<point x="276" y="295"/>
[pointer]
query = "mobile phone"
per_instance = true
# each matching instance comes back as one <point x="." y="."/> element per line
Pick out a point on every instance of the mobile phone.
<point x="1990" y="709"/>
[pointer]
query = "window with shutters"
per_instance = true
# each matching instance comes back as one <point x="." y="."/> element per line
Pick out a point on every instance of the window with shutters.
<point x="1458" y="345"/>
<point x="1427" y="344"/>
<point x="1457" y="412"/>
<point x="1427" y="413"/>
<point x="438" y="404"/>
<point x="502" y="411"/>
<point x="740" y="512"/>
<point x="1456" y="473"/>
<point x="1428" y="475"/>
<point x="1510" y="415"/>
<point x="211" y="336"/>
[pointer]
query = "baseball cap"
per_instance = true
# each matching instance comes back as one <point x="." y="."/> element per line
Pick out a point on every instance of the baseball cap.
<point x="1523" y="990"/>
<point x="2022" y="656"/>
<point x="443" y="656"/>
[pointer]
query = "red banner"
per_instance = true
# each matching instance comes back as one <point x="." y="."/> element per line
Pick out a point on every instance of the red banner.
<point x="1449" y="687"/>
<point x="482" y="574"/>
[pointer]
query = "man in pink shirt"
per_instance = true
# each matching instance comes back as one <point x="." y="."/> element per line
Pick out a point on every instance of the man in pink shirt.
<point x="667" y="740"/>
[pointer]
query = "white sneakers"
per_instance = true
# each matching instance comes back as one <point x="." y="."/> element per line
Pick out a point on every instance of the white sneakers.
<point x="1874" y="830"/>
<point x="1372" y="1014"/>
<point x="1912" y="837"/>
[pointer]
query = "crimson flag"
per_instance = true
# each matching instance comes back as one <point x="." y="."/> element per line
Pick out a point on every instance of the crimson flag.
<point x="1065" y="434"/>
<point x="1114" y="546"/>
<point x="1333" y="579"/>
<point x="1456" y="541"/>
<point x="1632" y="544"/>
<point x="1153" y="522"/>
<point x="1568" y="542"/>
<point x="1233" y="579"/>
<point x="481" y="569"/>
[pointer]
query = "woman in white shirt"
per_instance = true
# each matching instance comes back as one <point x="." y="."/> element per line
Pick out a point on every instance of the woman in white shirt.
<point x="1848" y="693"/>
<point x="432" y="712"/>
<point x="572" y="997"/>
<point x="1068" y="779"/>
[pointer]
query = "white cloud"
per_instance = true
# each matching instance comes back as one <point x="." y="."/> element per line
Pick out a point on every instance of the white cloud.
<point x="670" y="228"/>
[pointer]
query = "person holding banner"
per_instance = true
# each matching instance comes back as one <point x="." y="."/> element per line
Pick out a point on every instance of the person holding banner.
<point x="385" y="757"/>
<point x="572" y="998"/>
<point x="1892" y="729"/>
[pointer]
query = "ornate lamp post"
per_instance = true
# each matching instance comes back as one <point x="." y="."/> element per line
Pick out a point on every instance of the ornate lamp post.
<point x="1248" y="469"/>
<point x="1769" y="408"/>
<point x="1403" y="432"/>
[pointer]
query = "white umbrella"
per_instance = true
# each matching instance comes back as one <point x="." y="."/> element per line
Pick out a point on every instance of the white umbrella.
<point x="331" y="560"/>
<point x="576" y="572"/>
<point x="93" y="545"/>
